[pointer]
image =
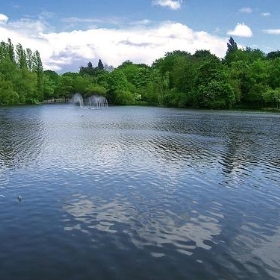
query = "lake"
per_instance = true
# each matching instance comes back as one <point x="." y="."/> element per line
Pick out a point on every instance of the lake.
<point x="138" y="193"/>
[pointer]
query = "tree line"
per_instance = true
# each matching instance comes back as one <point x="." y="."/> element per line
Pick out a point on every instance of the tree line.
<point x="244" y="78"/>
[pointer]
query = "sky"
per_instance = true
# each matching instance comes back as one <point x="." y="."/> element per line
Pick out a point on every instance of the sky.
<point x="69" y="34"/>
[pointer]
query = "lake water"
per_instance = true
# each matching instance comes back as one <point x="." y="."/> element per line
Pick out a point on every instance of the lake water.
<point x="138" y="193"/>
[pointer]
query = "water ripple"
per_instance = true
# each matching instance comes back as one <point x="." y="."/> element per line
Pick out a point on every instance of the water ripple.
<point x="181" y="193"/>
<point x="144" y="228"/>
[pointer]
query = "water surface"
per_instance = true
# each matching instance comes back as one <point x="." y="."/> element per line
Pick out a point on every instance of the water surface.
<point x="138" y="193"/>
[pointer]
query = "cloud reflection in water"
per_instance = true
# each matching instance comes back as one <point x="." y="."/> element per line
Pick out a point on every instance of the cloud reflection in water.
<point x="145" y="229"/>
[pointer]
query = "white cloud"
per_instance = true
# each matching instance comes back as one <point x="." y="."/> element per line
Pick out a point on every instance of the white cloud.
<point x="72" y="21"/>
<point x="172" y="4"/>
<point x="140" y="43"/>
<point x="246" y="10"/>
<point x="272" y="31"/>
<point x="241" y="30"/>
<point x="266" y="14"/>
<point x="3" y="19"/>
<point x="141" y="22"/>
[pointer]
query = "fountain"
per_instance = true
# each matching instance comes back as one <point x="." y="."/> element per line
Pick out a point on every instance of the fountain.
<point x="92" y="102"/>
<point x="77" y="99"/>
<point x="97" y="102"/>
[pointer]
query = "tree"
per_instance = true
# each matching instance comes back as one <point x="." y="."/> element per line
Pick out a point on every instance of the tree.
<point x="8" y="96"/>
<point x="273" y="72"/>
<point x="158" y="89"/>
<point x="27" y="83"/>
<point x="124" y="97"/>
<point x="90" y="65"/>
<point x="183" y="77"/>
<point x="117" y="80"/>
<point x="212" y="86"/>
<point x="203" y="55"/>
<point x="273" y="55"/>
<point x="50" y="82"/>
<point x="216" y="95"/>
<point x="257" y="83"/>
<point x="231" y="45"/>
<point x="29" y="59"/>
<point x="21" y="57"/>
<point x="272" y="97"/>
<point x="138" y="77"/>
<point x="93" y="89"/>
<point x="38" y="69"/>
<point x="100" y="65"/>
<point x="65" y="86"/>
<point x="231" y="52"/>
<point x="11" y="50"/>
<point x="87" y="70"/>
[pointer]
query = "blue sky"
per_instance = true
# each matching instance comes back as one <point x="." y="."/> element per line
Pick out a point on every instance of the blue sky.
<point x="70" y="33"/>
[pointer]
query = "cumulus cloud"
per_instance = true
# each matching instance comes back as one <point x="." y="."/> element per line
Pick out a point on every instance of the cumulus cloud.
<point x="272" y="31"/>
<point x="246" y="10"/>
<point x="141" y="42"/>
<point x="172" y="4"/>
<point x="241" y="30"/>
<point x="3" y="19"/>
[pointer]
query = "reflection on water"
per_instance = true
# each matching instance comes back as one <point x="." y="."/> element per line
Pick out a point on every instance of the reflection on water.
<point x="20" y="136"/>
<point x="155" y="228"/>
<point x="138" y="193"/>
<point x="262" y="249"/>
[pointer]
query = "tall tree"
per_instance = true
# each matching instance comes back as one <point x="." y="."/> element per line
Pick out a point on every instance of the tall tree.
<point x="21" y="57"/>
<point x="11" y="50"/>
<point x="232" y="50"/>
<point x="29" y="59"/>
<point x="231" y="45"/>
<point x="38" y="69"/>
<point x="100" y="65"/>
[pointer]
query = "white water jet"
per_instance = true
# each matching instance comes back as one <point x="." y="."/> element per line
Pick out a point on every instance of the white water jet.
<point x="97" y="102"/>
<point x="92" y="102"/>
<point x="77" y="99"/>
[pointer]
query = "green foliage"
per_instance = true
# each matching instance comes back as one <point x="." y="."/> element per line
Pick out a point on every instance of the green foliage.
<point x="65" y="87"/>
<point x="215" y="95"/>
<point x="95" y="89"/>
<point x="271" y="97"/>
<point x="255" y="83"/>
<point x="38" y="69"/>
<point x="273" y="55"/>
<point x="50" y="80"/>
<point x="231" y="45"/>
<point x="21" y="57"/>
<point x="177" y="99"/>
<point x="117" y="80"/>
<point x="21" y="75"/>
<point x="124" y="97"/>
<point x="273" y="73"/>
<point x="8" y="96"/>
<point x="212" y="87"/>
<point x="136" y="74"/>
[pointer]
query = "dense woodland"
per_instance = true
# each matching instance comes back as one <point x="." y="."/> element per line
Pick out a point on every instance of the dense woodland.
<point x="244" y="78"/>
